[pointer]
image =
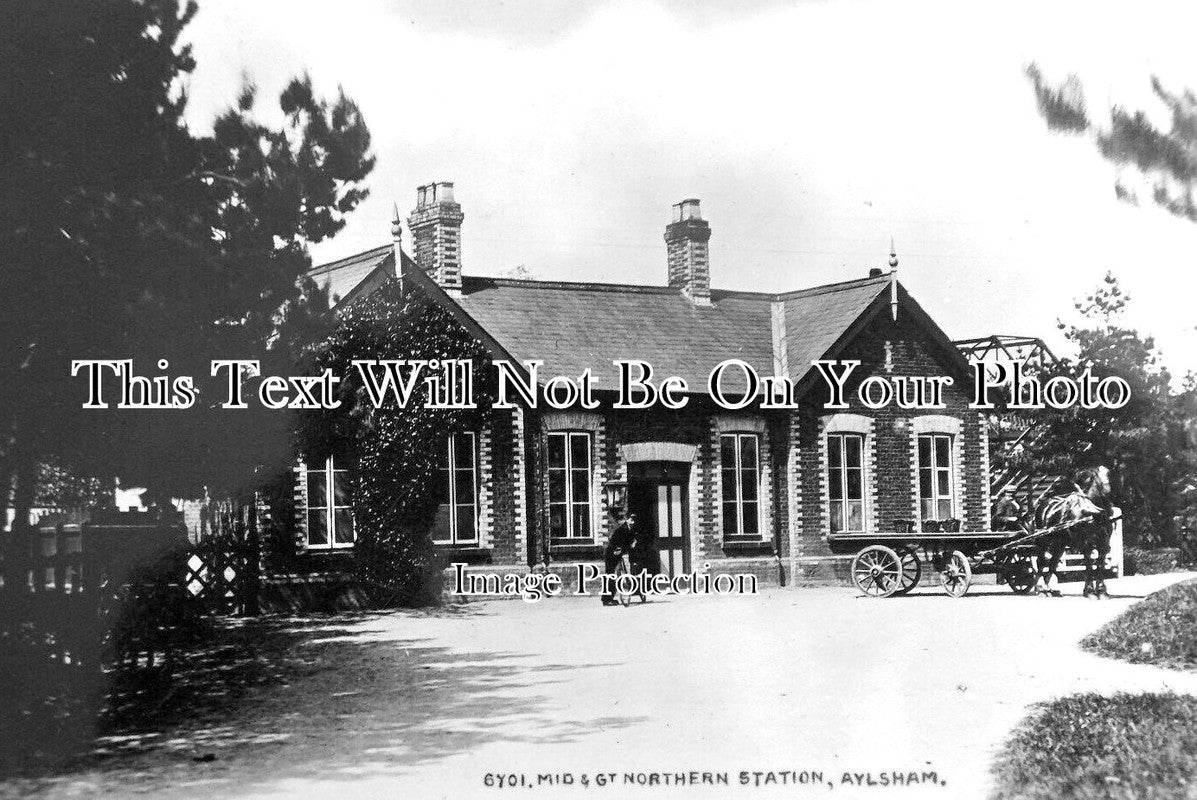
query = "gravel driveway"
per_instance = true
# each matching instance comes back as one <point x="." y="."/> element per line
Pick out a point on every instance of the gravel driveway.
<point x="793" y="688"/>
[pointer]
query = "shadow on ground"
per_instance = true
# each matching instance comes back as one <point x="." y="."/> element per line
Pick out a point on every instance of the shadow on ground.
<point x="335" y="697"/>
<point x="972" y="595"/>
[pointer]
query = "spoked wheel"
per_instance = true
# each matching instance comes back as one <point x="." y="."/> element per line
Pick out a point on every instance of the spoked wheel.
<point x="877" y="571"/>
<point x="1020" y="574"/>
<point x="912" y="569"/>
<point x="956" y="575"/>
<point x="622" y="569"/>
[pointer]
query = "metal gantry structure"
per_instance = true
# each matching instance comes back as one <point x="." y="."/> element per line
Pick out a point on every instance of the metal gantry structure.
<point x="999" y="348"/>
<point x="1009" y="432"/>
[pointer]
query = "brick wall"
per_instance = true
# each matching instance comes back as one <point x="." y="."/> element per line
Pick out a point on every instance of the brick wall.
<point x="514" y="497"/>
<point x="506" y="495"/>
<point x="894" y="350"/>
<point x="699" y="425"/>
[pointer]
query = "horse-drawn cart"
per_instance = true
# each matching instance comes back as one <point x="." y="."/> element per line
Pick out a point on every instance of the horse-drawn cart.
<point x="891" y="562"/>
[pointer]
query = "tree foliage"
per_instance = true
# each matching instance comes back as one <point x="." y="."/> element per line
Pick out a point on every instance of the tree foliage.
<point x="1144" y="443"/>
<point x="1150" y="443"/>
<point x="126" y="234"/>
<point x="1165" y="158"/>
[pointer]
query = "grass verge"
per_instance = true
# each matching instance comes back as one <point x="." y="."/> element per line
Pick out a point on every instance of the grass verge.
<point x="1141" y="746"/>
<point x="1160" y="630"/>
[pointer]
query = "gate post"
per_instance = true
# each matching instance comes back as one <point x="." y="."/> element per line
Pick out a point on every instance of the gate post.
<point x="253" y="561"/>
<point x="1116" y="553"/>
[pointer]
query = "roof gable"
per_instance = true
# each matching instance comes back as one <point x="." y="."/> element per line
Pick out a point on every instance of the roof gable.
<point x="817" y="319"/>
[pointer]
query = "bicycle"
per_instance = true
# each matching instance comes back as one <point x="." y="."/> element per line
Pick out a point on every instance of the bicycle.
<point x="624" y="567"/>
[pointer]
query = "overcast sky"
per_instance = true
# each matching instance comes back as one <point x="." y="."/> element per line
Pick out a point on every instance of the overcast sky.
<point x="811" y="132"/>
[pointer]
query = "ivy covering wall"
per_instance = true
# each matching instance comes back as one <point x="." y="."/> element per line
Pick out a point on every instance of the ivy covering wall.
<point x="392" y="453"/>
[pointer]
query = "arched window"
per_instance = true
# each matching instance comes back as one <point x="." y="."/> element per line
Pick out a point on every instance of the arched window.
<point x="849" y="461"/>
<point x="845" y="481"/>
<point x="937" y="442"/>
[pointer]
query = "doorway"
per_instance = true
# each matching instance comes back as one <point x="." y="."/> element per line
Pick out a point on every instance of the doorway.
<point x="657" y="495"/>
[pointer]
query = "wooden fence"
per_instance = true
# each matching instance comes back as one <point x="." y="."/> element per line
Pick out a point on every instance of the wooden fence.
<point x="222" y="575"/>
<point x="1073" y="563"/>
<point x="122" y="588"/>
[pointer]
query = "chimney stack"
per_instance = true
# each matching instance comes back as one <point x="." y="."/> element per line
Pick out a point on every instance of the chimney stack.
<point x="436" y="234"/>
<point x="686" y="240"/>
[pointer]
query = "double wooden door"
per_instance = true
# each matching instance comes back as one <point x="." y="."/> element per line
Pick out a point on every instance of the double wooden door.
<point x="657" y="496"/>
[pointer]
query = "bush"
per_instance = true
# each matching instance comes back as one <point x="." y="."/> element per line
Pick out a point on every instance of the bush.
<point x="1141" y="746"/>
<point x="1140" y="561"/>
<point x="60" y="651"/>
<point x="1161" y="630"/>
<point x="401" y="570"/>
<point x="1188" y="549"/>
<point x="49" y="709"/>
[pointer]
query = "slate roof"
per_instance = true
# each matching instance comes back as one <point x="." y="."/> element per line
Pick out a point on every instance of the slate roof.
<point x="572" y="326"/>
<point x="815" y="318"/>
<point x="341" y="277"/>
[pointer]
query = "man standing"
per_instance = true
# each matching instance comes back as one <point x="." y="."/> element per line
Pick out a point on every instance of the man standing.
<point x="622" y="541"/>
<point x="1007" y="514"/>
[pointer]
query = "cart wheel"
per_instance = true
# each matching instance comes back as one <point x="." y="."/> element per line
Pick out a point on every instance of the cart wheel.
<point x="1020" y="574"/>
<point x="956" y="575"/>
<point x="877" y="571"/>
<point x="912" y="569"/>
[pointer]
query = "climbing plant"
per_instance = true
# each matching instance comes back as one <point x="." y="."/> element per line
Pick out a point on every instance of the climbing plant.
<point x="394" y="453"/>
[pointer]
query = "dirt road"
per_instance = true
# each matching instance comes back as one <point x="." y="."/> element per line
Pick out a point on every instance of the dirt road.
<point x="795" y="688"/>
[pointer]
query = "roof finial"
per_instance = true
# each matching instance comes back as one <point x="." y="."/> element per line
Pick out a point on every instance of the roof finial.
<point x="397" y="241"/>
<point x="893" y="280"/>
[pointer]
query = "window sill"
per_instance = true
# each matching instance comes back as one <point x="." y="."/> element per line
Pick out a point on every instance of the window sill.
<point x="583" y="549"/>
<point x="466" y="553"/>
<point x="948" y="525"/>
<point x="748" y="547"/>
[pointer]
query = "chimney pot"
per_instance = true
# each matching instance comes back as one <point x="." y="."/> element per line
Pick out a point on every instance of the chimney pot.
<point x="687" y="209"/>
<point x="436" y="234"/>
<point x="431" y="194"/>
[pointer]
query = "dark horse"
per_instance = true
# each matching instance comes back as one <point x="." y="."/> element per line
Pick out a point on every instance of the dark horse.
<point x="1085" y="502"/>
